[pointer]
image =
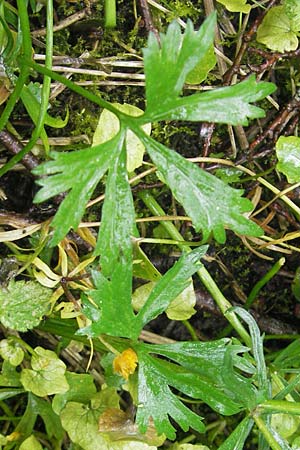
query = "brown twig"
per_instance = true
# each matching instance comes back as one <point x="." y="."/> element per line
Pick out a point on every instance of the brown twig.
<point x="148" y="19"/>
<point x="14" y="146"/>
<point x="64" y="23"/>
<point x="245" y="43"/>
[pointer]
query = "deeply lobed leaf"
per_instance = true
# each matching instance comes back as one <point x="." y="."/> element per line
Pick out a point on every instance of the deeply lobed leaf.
<point x="210" y="202"/>
<point x="79" y="172"/>
<point x="169" y="62"/>
<point x="194" y="371"/>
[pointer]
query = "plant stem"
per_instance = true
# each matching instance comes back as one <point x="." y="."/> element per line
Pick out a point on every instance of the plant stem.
<point x="261" y="425"/>
<point x="280" y="406"/>
<point x="203" y="273"/>
<point x="24" y="70"/>
<point x="264" y="280"/>
<point x="191" y="330"/>
<point x="110" y="14"/>
<point x="23" y="15"/>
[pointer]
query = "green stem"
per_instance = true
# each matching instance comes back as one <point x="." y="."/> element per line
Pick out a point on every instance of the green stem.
<point x="110" y="14"/>
<point x="264" y="280"/>
<point x="46" y="82"/>
<point x="261" y="425"/>
<point x="203" y="273"/>
<point x="75" y="88"/>
<point x="24" y="71"/>
<point x="191" y="330"/>
<point x="280" y="406"/>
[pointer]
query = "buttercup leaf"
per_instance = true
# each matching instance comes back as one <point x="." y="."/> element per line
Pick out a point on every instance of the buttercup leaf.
<point x="211" y="203"/>
<point x="174" y="57"/>
<point x="78" y="172"/>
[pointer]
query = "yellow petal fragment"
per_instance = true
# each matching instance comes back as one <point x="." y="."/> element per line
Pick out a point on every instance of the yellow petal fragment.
<point x="125" y="363"/>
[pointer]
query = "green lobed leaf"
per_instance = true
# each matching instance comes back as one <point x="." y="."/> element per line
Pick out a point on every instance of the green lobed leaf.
<point x="288" y="154"/>
<point x="113" y="298"/>
<point x="276" y="30"/>
<point x="237" y="438"/>
<point x="47" y="376"/>
<point x="118" y="219"/>
<point x="78" y="171"/>
<point x="170" y="285"/>
<point x="236" y="5"/>
<point x="156" y="399"/>
<point x="210" y="202"/>
<point x="204" y="358"/>
<point x="168" y="63"/>
<point x="257" y="350"/>
<point x="197" y="373"/>
<point x="23" y="304"/>
<point x="230" y="105"/>
<point x="109" y="125"/>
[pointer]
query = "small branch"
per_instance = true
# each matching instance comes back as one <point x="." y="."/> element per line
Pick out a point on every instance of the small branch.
<point x="14" y="146"/>
<point x="148" y="19"/>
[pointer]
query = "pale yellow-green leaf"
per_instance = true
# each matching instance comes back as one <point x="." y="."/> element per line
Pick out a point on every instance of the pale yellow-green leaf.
<point x="181" y="308"/>
<point x="3" y="439"/>
<point x="108" y="126"/>
<point x="285" y="424"/>
<point x="11" y="351"/>
<point x="31" y="443"/>
<point x="81" y="423"/>
<point x="200" y="72"/>
<point x="47" y="376"/>
<point x="188" y="447"/>
<point x="276" y="31"/>
<point x="236" y="5"/>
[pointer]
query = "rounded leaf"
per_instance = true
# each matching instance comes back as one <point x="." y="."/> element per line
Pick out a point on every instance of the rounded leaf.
<point x="276" y="31"/>
<point x="11" y="351"/>
<point x="47" y="376"/>
<point x="288" y="154"/>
